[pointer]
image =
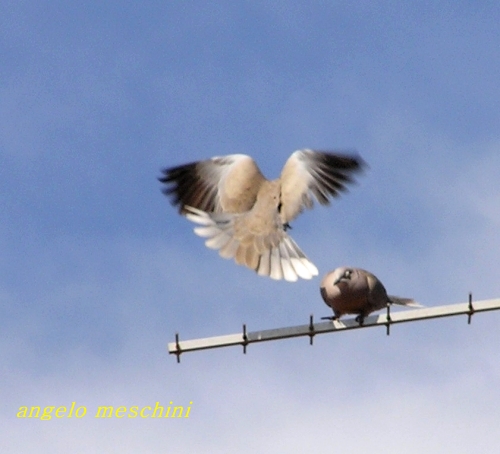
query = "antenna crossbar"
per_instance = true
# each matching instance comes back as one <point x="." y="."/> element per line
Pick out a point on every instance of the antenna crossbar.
<point x="311" y="329"/>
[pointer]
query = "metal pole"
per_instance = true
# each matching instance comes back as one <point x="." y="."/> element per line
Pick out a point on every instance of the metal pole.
<point x="312" y="329"/>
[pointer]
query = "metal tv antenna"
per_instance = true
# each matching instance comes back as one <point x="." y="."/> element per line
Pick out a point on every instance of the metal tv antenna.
<point x="311" y="329"/>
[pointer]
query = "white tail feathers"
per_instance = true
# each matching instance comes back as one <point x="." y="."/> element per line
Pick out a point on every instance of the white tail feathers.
<point x="277" y="259"/>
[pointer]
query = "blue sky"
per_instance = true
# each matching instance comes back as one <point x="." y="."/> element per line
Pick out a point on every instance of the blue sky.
<point x="98" y="271"/>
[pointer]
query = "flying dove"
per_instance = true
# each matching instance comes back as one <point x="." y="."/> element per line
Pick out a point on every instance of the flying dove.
<point x="246" y="217"/>
<point x="355" y="291"/>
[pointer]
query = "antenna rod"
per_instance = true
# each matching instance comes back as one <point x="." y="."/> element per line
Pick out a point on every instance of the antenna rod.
<point x="312" y="329"/>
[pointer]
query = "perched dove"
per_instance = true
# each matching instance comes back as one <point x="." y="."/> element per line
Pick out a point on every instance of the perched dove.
<point x="356" y="291"/>
<point x="245" y="216"/>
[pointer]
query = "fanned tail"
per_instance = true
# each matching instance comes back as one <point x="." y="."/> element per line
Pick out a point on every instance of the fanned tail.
<point x="278" y="258"/>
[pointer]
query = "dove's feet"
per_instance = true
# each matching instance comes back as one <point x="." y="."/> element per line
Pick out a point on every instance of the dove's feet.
<point x="360" y="319"/>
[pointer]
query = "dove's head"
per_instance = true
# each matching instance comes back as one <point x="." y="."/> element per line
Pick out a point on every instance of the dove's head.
<point x="342" y="274"/>
<point x="329" y="286"/>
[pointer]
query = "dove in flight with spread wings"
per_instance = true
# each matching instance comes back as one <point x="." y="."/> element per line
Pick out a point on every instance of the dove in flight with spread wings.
<point x="246" y="217"/>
